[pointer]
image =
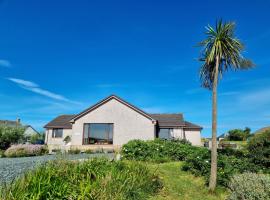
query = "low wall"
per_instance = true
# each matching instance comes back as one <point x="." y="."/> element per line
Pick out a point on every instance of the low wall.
<point x="83" y="147"/>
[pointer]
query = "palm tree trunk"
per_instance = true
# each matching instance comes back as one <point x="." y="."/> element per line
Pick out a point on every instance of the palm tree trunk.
<point x="213" y="175"/>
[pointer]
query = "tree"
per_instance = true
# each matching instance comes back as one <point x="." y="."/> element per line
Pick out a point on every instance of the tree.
<point x="238" y="134"/>
<point x="10" y="135"/>
<point x="221" y="51"/>
<point x="259" y="149"/>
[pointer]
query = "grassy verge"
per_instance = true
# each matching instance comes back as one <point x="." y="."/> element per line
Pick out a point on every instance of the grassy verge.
<point x="182" y="185"/>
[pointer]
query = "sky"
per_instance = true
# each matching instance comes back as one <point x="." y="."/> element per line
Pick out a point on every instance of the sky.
<point x="60" y="57"/>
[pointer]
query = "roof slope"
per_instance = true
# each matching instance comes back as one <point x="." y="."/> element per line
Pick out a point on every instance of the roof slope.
<point x="100" y="103"/>
<point x="9" y="123"/>
<point x="163" y="120"/>
<point x="62" y="121"/>
<point x="192" y="126"/>
<point x="169" y="120"/>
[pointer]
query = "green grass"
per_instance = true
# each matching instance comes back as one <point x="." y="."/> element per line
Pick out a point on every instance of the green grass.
<point x="182" y="185"/>
<point x="97" y="179"/>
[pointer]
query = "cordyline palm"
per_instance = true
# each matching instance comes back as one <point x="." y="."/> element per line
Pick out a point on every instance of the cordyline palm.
<point x="221" y="52"/>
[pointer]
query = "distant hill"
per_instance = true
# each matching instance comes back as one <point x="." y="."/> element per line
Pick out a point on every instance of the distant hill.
<point x="262" y="130"/>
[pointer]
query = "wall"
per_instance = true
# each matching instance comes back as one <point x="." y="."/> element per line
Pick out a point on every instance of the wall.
<point x="55" y="143"/>
<point x="128" y="124"/>
<point x="194" y="136"/>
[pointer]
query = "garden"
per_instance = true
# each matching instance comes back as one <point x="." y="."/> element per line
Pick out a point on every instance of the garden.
<point x="157" y="169"/>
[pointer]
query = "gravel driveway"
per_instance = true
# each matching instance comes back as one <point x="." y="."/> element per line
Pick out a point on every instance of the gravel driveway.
<point x="10" y="168"/>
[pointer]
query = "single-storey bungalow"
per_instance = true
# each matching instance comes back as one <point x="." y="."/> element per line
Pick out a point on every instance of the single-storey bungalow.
<point x="113" y="122"/>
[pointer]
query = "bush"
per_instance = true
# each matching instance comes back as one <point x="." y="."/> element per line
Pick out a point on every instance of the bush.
<point x="93" y="179"/>
<point x="238" y="134"/>
<point x="157" y="150"/>
<point x="249" y="186"/>
<point x="74" y="151"/>
<point x="22" y="150"/>
<point x="199" y="165"/>
<point x="259" y="149"/>
<point x="88" y="151"/>
<point x="2" y="153"/>
<point x="10" y="135"/>
<point x="67" y="139"/>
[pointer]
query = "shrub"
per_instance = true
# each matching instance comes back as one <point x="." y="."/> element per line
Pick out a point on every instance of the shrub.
<point x="93" y="179"/>
<point x="249" y="186"/>
<point x="157" y="150"/>
<point x="198" y="164"/>
<point x="22" y="150"/>
<point x="88" y="151"/>
<point x="259" y="148"/>
<point x="10" y="135"/>
<point x="67" y="139"/>
<point x="238" y="134"/>
<point x="239" y="153"/>
<point x="74" y="151"/>
<point x="2" y="153"/>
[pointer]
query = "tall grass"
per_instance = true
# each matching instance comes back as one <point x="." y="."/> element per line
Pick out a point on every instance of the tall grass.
<point x="97" y="179"/>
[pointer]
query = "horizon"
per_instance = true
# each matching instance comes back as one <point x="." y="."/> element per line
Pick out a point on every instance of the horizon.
<point x="62" y="57"/>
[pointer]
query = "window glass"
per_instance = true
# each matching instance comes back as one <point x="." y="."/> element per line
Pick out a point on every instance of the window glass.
<point x="164" y="133"/>
<point x="57" y="133"/>
<point x="95" y="133"/>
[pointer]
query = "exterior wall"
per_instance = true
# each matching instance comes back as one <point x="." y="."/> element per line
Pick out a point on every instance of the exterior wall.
<point x="29" y="131"/>
<point x="194" y="136"/>
<point x="56" y="143"/>
<point x="127" y="123"/>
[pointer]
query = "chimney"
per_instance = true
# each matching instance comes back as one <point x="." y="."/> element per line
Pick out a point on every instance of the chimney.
<point x="18" y="121"/>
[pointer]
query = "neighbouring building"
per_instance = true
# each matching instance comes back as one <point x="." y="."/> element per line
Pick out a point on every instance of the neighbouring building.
<point x="29" y="130"/>
<point x="113" y="122"/>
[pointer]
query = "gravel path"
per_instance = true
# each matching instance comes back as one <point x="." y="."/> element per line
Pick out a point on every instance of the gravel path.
<point x="10" y="168"/>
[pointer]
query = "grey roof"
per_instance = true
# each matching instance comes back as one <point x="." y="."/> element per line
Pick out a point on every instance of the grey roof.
<point x="62" y="121"/>
<point x="169" y="120"/>
<point x="191" y="125"/>
<point x="103" y="101"/>
<point x="9" y="123"/>
<point x="163" y="120"/>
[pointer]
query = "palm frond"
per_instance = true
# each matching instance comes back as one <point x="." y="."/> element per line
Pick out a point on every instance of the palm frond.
<point x="221" y="43"/>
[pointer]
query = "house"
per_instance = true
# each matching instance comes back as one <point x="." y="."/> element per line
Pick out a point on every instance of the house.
<point x="113" y="122"/>
<point x="29" y="130"/>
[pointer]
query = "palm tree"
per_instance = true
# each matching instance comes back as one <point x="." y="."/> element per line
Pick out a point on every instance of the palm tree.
<point x="221" y="51"/>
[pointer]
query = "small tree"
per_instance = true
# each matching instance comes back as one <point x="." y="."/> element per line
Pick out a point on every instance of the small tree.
<point x="10" y="135"/>
<point x="239" y="134"/>
<point x="221" y="52"/>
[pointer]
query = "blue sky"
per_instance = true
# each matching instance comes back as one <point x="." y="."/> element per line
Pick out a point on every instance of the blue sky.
<point x="59" y="57"/>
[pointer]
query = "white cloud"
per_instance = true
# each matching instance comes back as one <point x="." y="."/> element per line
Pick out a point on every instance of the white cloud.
<point x="228" y="93"/>
<point x="23" y="82"/>
<point x="257" y="97"/>
<point x="4" y="63"/>
<point x="33" y="87"/>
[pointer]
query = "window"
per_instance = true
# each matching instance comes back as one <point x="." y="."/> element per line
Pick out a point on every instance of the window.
<point x="57" y="133"/>
<point x="164" y="133"/>
<point x="98" y="133"/>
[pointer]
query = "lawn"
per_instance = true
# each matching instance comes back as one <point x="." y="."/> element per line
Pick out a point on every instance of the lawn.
<point x="182" y="185"/>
